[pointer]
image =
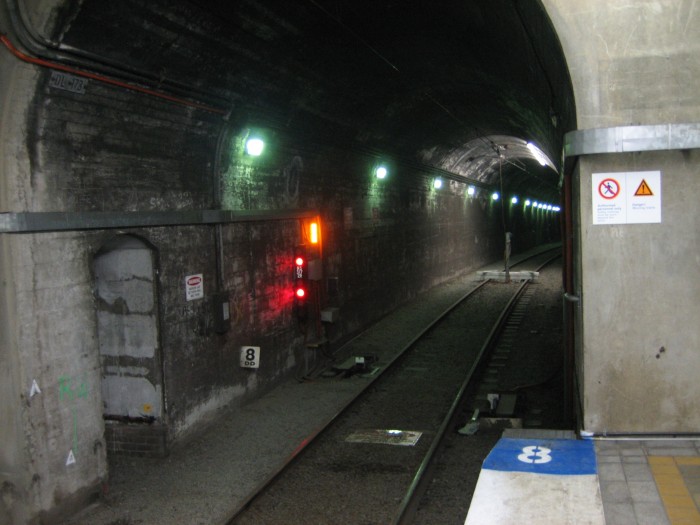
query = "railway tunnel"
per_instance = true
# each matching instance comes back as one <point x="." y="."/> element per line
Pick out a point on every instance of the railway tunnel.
<point x="146" y="250"/>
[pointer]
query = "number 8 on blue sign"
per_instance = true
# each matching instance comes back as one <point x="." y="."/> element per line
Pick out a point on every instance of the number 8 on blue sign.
<point x="536" y="455"/>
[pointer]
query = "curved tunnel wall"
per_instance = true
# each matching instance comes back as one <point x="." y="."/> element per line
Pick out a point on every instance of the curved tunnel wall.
<point x="384" y="240"/>
<point x="104" y="148"/>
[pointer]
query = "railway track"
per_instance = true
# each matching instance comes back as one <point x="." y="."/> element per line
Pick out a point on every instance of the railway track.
<point x="373" y="462"/>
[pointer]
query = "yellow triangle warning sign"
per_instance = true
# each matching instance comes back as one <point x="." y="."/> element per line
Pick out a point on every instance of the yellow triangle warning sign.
<point x="644" y="190"/>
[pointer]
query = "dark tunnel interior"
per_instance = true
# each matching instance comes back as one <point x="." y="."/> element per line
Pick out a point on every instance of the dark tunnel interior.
<point x="168" y="249"/>
<point x="458" y="88"/>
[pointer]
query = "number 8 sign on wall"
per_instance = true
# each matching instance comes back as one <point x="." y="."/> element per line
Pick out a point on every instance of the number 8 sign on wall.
<point x="250" y="356"/>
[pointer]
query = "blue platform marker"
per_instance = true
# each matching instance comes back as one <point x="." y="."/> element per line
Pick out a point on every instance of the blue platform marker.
<point x="567" y="457"/>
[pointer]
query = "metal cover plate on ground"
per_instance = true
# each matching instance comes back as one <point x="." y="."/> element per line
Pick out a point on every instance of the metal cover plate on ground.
<point x="406" y="438"/>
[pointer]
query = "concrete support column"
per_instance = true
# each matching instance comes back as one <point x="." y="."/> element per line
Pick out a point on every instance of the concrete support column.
<point x="638" y="339"/>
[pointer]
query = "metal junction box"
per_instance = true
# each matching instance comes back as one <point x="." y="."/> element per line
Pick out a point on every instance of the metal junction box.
<point x="330" y="315"/>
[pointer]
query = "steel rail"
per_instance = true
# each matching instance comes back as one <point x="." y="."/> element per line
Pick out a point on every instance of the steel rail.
<point x="260" y="488"/>
<point x="316" y="433"/>
<point x="421" y="479"/>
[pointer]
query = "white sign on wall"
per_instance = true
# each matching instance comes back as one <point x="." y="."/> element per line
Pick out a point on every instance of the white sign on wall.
<point x="194" y="286"/>
<point x="627" y="197"/>
<point x="250" y="356"/>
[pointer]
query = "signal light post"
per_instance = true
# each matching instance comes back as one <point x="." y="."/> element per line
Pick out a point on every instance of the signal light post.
<point x="301" y="283"/>
<point x="307" y="268"/>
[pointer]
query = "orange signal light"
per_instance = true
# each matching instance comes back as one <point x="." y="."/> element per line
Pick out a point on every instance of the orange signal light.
<point x="313" y="233"/>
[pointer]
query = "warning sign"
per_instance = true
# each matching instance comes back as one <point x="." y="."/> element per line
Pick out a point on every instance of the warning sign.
<point x="626" y="198"/>
<point x="194" y="287"/>
<point x="644" y="190"/>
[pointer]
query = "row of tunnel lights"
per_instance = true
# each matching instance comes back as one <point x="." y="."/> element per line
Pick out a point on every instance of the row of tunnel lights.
<point x="255" y="146"/>
<point x="381" y="172"/>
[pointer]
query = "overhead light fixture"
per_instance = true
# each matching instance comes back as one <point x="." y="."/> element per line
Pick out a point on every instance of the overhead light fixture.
<point x="254" y="146"/>
<point x="495" y="196"/>
<point x="514" y="200"/>
<point x="471" y="190"/>
<point x="527" y="202"/>
<point x="381" y="172"/>
<point x="537" y="153"/>
<point x="437" y="183"/>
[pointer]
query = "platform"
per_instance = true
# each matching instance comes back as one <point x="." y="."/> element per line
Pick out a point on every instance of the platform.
<point x="534" y="478"/>
<point x="538" y="481"/>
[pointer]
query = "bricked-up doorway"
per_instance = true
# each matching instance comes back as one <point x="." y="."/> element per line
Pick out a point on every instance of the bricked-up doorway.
<point x="130" y="357"/>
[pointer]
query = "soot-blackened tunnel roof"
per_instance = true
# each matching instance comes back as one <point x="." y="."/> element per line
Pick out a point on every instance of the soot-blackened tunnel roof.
<point x="460" y="85"/>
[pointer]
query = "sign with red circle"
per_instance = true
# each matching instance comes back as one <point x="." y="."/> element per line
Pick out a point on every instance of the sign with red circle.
<point x="194" y="287"/>
<point x="609" y="188"/>
<point x="626" y="197"/>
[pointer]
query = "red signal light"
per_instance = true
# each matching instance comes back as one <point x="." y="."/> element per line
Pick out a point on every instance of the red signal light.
<point x="299" y="268"/>
<point x="301" y="283"/>
<point x="300" y="276"/>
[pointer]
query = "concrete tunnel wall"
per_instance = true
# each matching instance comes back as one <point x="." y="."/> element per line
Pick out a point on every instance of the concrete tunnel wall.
<point x="110" y="149"/>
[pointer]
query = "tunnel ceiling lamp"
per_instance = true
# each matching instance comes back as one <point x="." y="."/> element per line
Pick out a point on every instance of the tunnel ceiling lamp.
<point x="527" y="202"/>
<point x="381" y="172"/>
<point x="556" y="209"/>
<point x="535" y="204"/>
<point x="471" y="190"/>
<point x="437" y="183"/>
<point x="254" y="146"/>
<point x="537" y="153"/>
<point x="495" y="196"/>
<point x="514" y="200"/>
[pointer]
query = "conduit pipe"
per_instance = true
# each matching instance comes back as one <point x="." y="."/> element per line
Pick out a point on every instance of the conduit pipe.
<point x="41" y="47"/>
<point x="107" y="80"/>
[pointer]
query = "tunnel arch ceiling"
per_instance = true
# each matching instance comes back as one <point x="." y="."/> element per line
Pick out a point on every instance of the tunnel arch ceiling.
<point x="423" y="82"/>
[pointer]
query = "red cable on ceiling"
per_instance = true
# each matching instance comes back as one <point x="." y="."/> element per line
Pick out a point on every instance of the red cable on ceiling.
<point x="107" y="80"/>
